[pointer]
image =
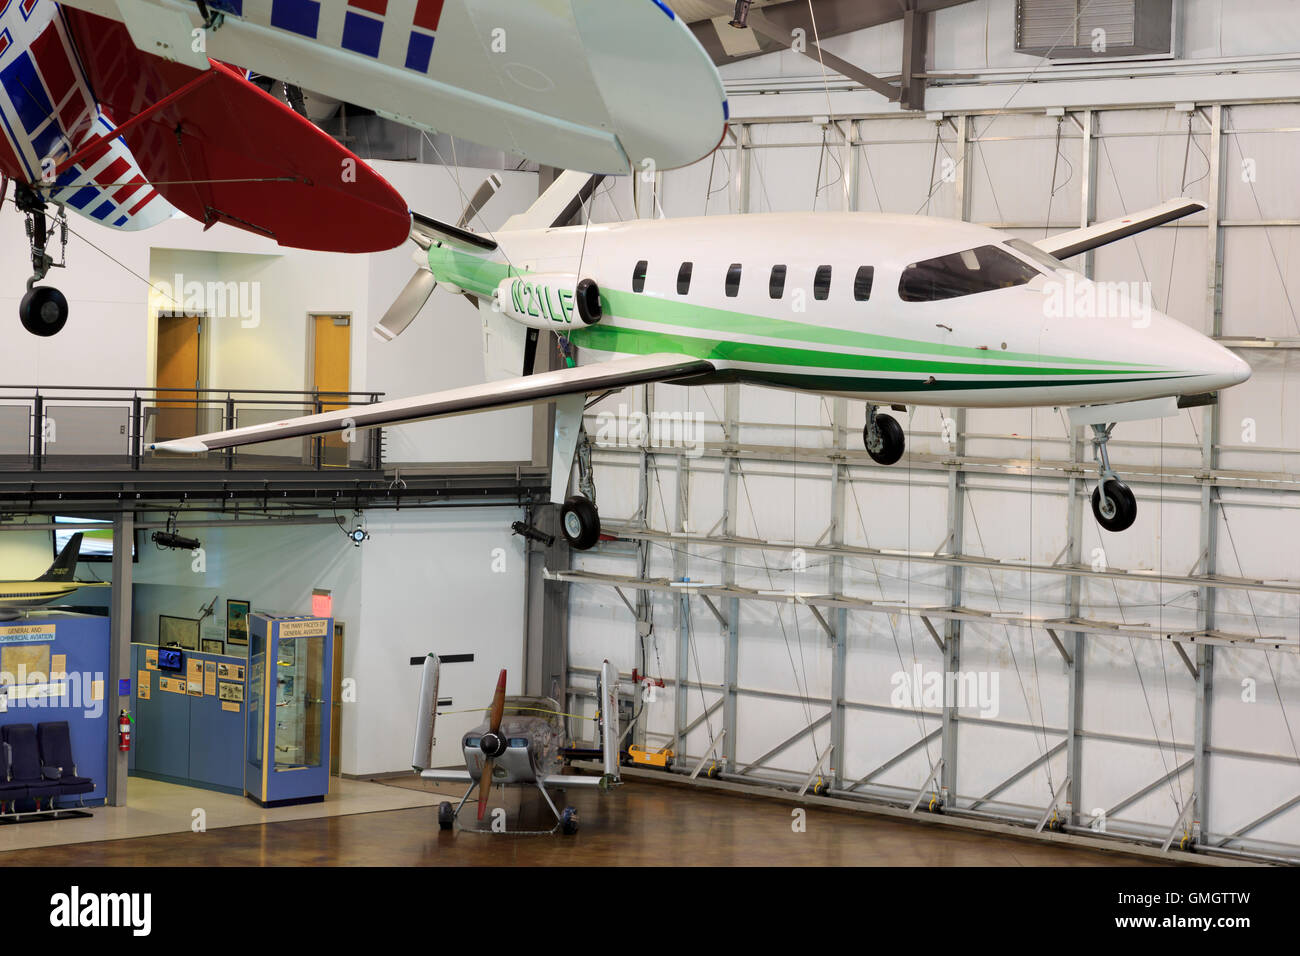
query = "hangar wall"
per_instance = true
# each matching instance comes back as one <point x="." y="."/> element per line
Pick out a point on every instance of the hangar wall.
<point x="1114" y="725"/>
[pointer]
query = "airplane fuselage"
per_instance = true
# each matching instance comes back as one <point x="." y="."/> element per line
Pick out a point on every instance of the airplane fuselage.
<point x="857" y="305"/>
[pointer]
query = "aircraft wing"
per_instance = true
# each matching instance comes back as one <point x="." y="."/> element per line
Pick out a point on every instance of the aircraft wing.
<point x="222" y="150"/>
<point x="578" y="84"/>
<point x="507" y="393"/>
<point x="1067" y="244"/>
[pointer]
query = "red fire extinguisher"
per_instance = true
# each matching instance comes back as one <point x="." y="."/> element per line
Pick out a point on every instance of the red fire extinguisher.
<point x="123" y="732"/>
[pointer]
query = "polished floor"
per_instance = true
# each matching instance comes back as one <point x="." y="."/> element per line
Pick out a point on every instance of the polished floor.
<point x="640" y="824"/>
<point x="156" y="808"/>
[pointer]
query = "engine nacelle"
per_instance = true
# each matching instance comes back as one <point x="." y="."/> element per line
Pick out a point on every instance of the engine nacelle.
<point x="550" y="301"/>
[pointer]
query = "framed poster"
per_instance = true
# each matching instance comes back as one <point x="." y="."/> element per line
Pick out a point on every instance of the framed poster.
<point x="180" y="632"/>
<point x="214" y="647"/>
<point x="237" y="622"/>
<point x="228" y="690"/>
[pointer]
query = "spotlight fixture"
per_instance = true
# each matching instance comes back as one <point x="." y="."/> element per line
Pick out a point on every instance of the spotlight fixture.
<point x="357" y="535"/>
<point x="741" y="18"/>
<point x="532" y="533"/>
<point x="169" y="539"/>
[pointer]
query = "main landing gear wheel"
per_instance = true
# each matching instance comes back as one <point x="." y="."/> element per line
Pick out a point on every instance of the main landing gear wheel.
<point x="580" y="523"/>
<point x="1113" y="505"/>
<point x="569" y="821"/>
<point x="43" y="310"/>
<point x="446" y="816"/>
<point x="883" y="438"/>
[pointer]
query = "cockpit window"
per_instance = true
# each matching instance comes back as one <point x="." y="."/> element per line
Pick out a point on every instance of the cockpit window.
<point x="982" y="269"/>
<point x="1048" y="262"/>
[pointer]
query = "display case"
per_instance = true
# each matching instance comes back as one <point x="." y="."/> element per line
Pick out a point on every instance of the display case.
<point x="288" y="723"/>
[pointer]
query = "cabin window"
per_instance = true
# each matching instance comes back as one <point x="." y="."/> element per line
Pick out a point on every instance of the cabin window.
<point x="822" y="282"/>
<point x="862" y="283"/>
<point x="982" y="269"/>
<point x="638" y="276"/>
<point x="776" y="284"/>
<point x="684" y="278"/>
<point x="733" y="280"/>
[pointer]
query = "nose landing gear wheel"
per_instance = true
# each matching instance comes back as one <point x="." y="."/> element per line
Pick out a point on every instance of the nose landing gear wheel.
<point x="43" y="310"/>
<point x="883" y="438"/>
<point x="446" y="816"/>
<point x="580" y="523"/>
<point x="1117" y="510"/>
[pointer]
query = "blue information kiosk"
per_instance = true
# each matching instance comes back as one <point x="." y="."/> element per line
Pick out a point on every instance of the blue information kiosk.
<point x="286" y="746"/>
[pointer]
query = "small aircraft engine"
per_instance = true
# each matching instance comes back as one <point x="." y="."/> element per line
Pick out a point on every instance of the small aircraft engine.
<point x="555" y="301"/>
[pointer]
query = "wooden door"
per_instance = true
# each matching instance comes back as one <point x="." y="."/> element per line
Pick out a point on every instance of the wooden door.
<point x="331" y="375"/>
<point x="178" y="366"/>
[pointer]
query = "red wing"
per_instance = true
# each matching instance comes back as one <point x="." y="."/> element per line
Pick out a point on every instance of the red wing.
<point x="283" y="177"/>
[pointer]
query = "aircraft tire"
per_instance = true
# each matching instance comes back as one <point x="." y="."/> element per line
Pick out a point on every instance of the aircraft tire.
<point x="446" y="816"/>
<point x="891" y="441"/>
<point x="569" y="821"/>
<point x="43" y="311"/>
<point x="1122" y="503"/>
<point x="580" y="523"/>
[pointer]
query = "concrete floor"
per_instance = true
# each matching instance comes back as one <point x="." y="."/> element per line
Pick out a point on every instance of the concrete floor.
<point x="641" y="824"/>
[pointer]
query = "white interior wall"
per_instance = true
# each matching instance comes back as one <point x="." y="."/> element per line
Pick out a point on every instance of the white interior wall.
<point x="110" y="339"/>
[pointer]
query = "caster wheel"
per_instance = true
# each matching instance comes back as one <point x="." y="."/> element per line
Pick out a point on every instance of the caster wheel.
<point x="580" y="523"/>
<point x="888" y="443"/>
<point x="712" y="772"/>
<point x="446" y="816"/>
<point x="43" y="310"/>
<point x="569" y="821"/>
<point x="1119" y="510"/>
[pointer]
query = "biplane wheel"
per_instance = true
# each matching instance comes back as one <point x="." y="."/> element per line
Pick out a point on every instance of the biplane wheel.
<point x="569" y="821"/>
<point x="446" y="816"/>
<point x="886" y="446"/>
<point x="580" y="523"/>
<point x="43" y="310"/>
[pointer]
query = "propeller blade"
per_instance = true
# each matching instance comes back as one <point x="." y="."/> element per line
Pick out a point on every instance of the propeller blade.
<point x="486" y="191"/>
<point x="484" y="785"/>
<point x="406" y="306"/>
<point x="498" y="703"/>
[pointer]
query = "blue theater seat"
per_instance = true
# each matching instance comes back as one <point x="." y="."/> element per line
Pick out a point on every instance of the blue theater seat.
<point x="56" y="752"/>
<point x="25" y="763"/>
<point x="10" y="791"/>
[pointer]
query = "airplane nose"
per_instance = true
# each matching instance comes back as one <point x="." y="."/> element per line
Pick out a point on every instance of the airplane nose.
<point x="1228" y="369"/>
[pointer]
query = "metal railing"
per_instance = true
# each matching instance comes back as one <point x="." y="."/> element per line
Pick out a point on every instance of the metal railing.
<point x="60" y="428"/>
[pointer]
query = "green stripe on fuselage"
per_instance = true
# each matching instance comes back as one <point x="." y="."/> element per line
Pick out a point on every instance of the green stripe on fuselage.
<point x="481" y="277"/>
<point x="641" y="342"/>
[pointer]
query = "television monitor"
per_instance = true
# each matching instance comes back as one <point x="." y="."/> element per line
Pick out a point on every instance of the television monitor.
<point x="96" y="541"/>
<point x="170" y="659"/>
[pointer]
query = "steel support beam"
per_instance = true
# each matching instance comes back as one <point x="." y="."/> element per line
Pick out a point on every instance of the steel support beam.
<point x="783" y="745"/>
<point x="119" y="654"/>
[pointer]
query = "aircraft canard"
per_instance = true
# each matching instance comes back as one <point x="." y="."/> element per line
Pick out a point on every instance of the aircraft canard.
<point x="583" y="84"/>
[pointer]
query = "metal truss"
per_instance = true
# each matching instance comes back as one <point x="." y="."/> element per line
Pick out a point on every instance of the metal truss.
<point x="842" y="463"/>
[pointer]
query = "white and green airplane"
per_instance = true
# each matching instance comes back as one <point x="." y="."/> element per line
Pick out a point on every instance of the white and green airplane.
<point x="892" y="310"/>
